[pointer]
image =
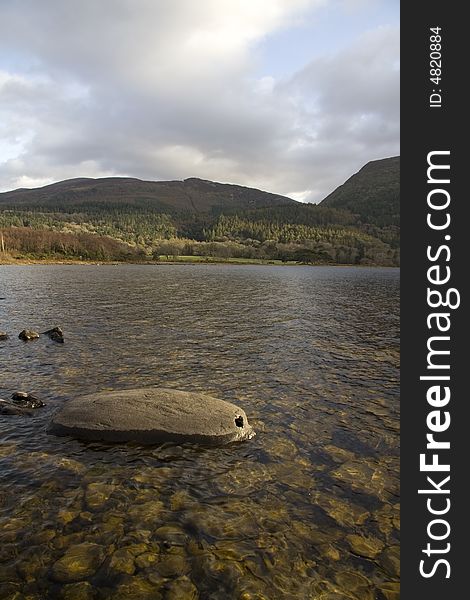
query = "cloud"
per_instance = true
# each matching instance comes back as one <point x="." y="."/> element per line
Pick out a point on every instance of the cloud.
<point x="172" y="89"/>
<point x="348" y="105"/>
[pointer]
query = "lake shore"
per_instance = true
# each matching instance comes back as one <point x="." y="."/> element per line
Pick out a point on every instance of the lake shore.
<point x="178" y="260"/>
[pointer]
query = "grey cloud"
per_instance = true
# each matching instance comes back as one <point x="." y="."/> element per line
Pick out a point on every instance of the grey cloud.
<point x="134" y="91"/>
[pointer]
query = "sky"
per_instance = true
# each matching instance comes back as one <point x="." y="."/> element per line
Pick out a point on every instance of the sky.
<point x="289" y="96"/>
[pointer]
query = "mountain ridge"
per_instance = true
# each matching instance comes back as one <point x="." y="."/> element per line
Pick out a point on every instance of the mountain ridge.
<point x="191" y="194"/>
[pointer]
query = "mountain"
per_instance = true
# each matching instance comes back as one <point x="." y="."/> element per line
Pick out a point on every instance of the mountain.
<point x="191" y="195"/>
<point x="373" y="193"/>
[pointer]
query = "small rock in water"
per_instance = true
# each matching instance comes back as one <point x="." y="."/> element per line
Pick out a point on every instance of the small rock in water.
<point x="26" y="400"/>
<point x="8" y="408"/>
<point x="3" y="335"/>
<point x="28" y="334"/>
<point x="55" y="334"/>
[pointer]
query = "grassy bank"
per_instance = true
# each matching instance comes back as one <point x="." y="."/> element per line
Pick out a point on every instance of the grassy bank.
<point x="9" y="259"/>
<point x="218" y="260"/>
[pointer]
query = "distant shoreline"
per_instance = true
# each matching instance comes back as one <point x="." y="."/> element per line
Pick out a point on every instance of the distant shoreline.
<point x="192" y="260"/>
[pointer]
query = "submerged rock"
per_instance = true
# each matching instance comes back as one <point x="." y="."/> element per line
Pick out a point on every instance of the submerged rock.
<point x="56" y="334"/>
<point x="152" y="415"/>
<point x="7" y="450"/>
<point x="390" y="560"/>
<point x="78" y="563"/>
<point x="26" y="400"/>
<point x="146" y="560"/>
<point x="28" y="334"/>
<point x="137" y="588"/>
<point x="391" y="590"/>
<point x="97" y="494"/>
<point x="368" y="547"/>
<point x="353" y="581"/>
<point x="78" y="591"/>
<point x="147" y="512"/>
<point x="171" y="535"/>
<point x="172" y="565"/>
<point x="3" y="335"/>
<point x="181" y="589"/>
<point x="345" y="513"/>
<point x="121" y="562"/>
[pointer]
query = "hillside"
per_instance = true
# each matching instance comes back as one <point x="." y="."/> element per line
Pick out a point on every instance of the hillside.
<point x="191" y="195"/>
<point x="373" y="193"/>
<point x="118" y="218"/>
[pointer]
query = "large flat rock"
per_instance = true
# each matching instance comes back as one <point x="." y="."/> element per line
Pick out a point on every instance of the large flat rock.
<point x="152" y="415"/>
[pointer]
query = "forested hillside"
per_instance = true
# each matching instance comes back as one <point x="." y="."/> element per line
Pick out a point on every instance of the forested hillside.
<point x="373" y="193"/>
<point x="129" y="219"/>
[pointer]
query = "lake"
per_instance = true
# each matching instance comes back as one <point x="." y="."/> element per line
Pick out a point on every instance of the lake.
<point x="309" y="508"/>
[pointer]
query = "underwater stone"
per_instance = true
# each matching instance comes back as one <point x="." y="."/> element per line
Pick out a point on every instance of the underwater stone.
<point x="172" y="535"/>
<point x="137" y="588"/>
<point x="10" y="589"/>
<point x="43" y="537"/>
<point x="390" y="560"/>
<point x="181" y="589"/>
<point x="146" y="560"/>
<point x="7" y="449"/>
<point x="61" y="542"/>
<point x="122" y="561"/>
<point x="78" y="563"/>
<point x="146" y="513"/>
<point x="136" y="549"/>
<point x="345" y="513"/>
<point x="78" y="591"/>
<point x="138" y="536"/>
<point x="368" y="547"/>
<point x="353" y="582"/>
<point x="172" y="565"/>
<point x="391" y="590"/>
<point x="12" y="529"/>
<point x="33" y="566"/>
<point x="152" y="415"/>
<point x="67" y="516"/>
<point x="97" y="494"/>
<point x="71" y="465"/>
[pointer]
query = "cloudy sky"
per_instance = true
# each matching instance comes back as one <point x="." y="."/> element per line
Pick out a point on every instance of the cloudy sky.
<point x="291" y="96"/>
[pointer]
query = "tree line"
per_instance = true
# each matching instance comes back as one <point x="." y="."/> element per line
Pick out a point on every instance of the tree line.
<point x="301" y="233"/>
<point x="46" y="243"/>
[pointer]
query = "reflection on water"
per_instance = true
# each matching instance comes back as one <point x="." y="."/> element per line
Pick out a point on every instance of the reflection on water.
<point x="307" y="509"/>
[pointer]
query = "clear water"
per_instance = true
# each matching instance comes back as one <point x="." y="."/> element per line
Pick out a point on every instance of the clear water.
<point x="307" y="509"/>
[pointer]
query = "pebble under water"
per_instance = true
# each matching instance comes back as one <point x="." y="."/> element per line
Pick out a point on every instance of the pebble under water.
<point x="308" y="509"/>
